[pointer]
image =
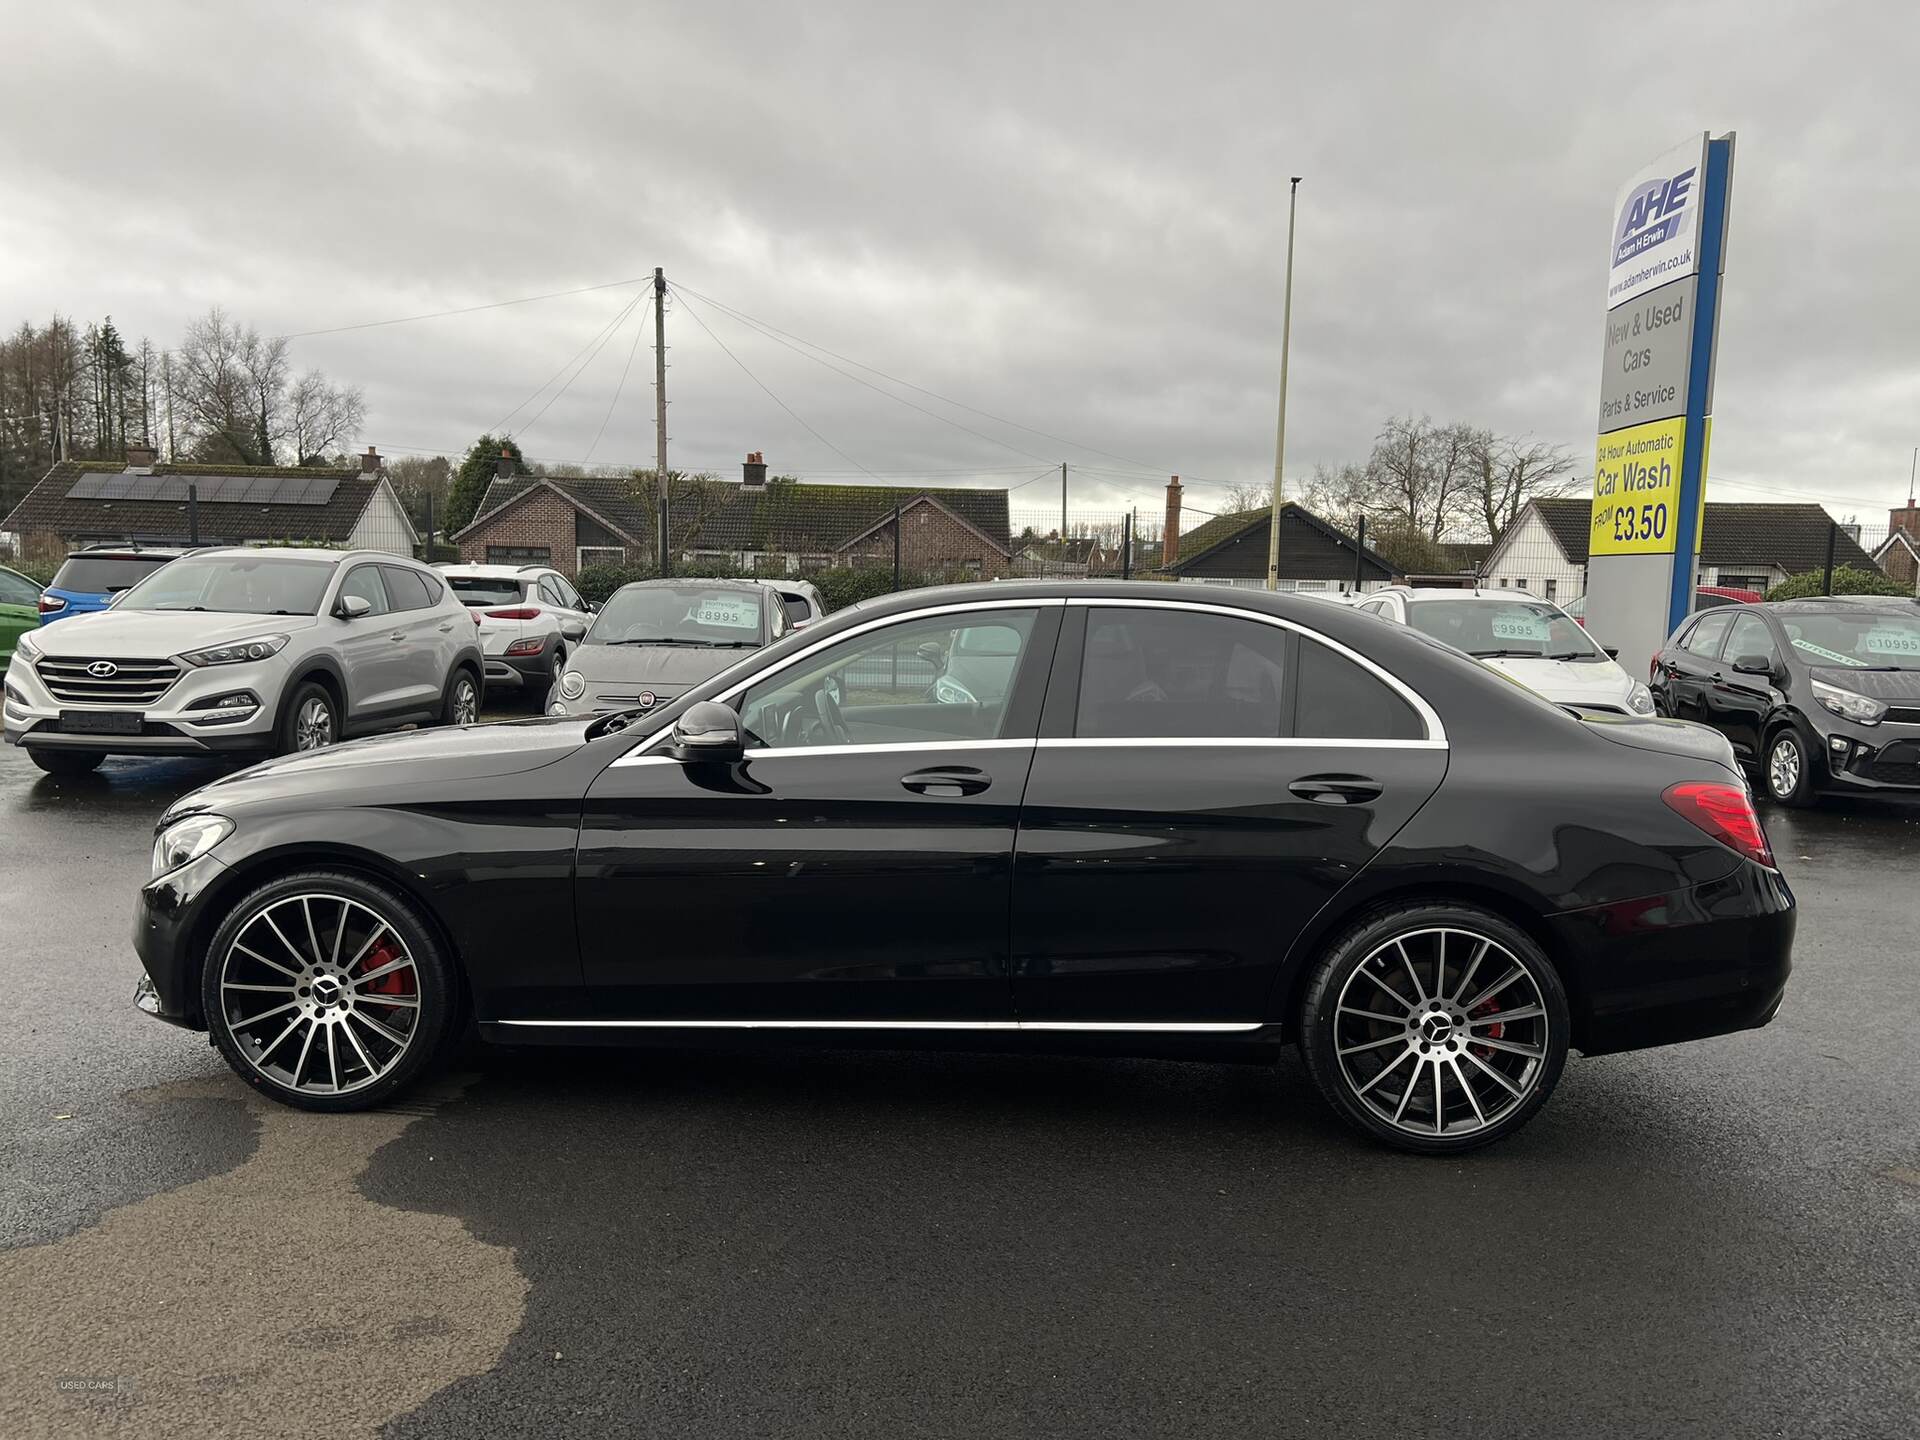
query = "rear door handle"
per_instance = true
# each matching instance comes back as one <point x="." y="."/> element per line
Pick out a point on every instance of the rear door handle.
<point x="1337" y="789"/>
<point x="948" y="781"/>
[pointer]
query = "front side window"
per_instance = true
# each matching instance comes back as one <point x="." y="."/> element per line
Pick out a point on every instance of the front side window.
<point x="1180" y="673"/>
<point x="1750" y="636"/>
<point x="18" y="590"/>
<point x="691" y="614"/>
<point x="1490" y="629"/>
<point x="364" y="581"/>
<point x="257" y="583"/>
<point x="939" y="679"/>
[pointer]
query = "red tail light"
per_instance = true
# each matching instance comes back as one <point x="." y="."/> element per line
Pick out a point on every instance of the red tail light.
<point x="514" y="614"/>
<point x="1726" y="813"/>
<point x="51" y="604"/>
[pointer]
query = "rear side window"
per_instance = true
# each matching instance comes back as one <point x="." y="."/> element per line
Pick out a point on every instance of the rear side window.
<point x="796" y="607"/>
<point x="104" y="574"/>
<point x="1340" y="700"/>
<point x="405" y="588"/>
<point x="1152" y="673"/>
<point x="1706" y="636"/>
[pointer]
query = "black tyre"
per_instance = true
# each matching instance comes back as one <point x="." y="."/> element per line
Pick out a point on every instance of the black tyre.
<point x="1434" y="1028"/>
<point x="327" y="992"/>
<point x="1786" y="769"/>
<point x="554" y="671"/>
<point x="66" y="762"/>
<point x="311" y="720"/>
<point x="462" y="703"/>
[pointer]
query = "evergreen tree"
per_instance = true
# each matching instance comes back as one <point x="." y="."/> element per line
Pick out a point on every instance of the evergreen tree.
<point x="475" y="474"/>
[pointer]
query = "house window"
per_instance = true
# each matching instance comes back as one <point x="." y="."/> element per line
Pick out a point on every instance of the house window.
<point x="518" y="555"/>
<point x="1552" y="586"/>
<point x="1521" y="582"/>
<point x="586" y="555"/>
<point x="1732" y="581"/>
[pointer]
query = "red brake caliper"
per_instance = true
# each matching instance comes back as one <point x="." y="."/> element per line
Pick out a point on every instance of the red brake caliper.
<point x="1494" y="1032"/>
<point x="394" y="982"/>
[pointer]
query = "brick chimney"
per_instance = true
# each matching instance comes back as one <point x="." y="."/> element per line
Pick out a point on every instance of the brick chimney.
<point x="1170" y="539"/>
<point x="503" y="467"/>
<point x="140" y="457"/>
<point x="1907" y="519"/>
<point x="753" y="474"/>
<point x="370" y="462"/>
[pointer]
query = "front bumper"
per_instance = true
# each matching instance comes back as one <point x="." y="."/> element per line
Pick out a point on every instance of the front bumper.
<point x="1867" y="759"/>
<point x="174" y="724"/>
<point x="609" y="700"/>
<point x="1682" y="966"/>
<point x="164" y="917"/>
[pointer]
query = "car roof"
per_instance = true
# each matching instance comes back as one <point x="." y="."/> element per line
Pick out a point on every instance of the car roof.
<point x="1815" y="604"/>
<point x="133" y="552"/>
<point x="1411" y="593"/>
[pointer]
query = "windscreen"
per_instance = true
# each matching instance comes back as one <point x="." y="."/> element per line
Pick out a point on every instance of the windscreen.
<point x="1503" y="629"/>
<point x="680" y="614"/>
<point x="1855" y="640"/>
<point x="487" y="589"/>
<point x="254" y="584"/>
<point x="105" y="574"/>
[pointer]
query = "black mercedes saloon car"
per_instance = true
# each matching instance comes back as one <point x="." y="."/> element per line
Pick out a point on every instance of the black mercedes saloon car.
<point x="1162" y="821"/>
<point x="1818" y="696"/>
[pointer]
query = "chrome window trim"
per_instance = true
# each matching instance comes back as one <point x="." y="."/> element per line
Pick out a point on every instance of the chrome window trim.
<point x="1232" y="742"/>
<point x="1185" y="1027"/>
<point x="887" y="747"/>
<point x="1429" y="717"/>
<point x="879" y="622"/>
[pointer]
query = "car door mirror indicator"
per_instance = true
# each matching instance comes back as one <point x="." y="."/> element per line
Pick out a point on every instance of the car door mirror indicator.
<point x="709" y="733"/>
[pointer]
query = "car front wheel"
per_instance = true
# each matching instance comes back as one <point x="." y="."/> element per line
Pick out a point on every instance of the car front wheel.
<point x="326" y="991"/>
<point x="311" y="721"/>
<point x="1435" y="1028"/>
<point x="1789" y="768"/>
<point x="462" y="706"/>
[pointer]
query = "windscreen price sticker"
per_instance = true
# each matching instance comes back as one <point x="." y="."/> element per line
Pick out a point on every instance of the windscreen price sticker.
<point x="1636" y="488"/>
<point x="727" y="613"/>
<point x="1520" y="625"/>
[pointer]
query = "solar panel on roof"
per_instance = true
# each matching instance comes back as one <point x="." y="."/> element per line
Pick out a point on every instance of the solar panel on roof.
<point x="315" y="489"/>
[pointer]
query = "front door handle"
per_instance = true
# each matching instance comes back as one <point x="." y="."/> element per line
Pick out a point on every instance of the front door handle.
<point x="1337" y="789"/>
<point x="397" y="636"/>
<point x="950" y="782"/>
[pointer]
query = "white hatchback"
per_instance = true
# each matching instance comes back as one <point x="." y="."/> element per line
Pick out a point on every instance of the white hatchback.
<point x="1534" y="641"/>
<point x="530" y="618"/>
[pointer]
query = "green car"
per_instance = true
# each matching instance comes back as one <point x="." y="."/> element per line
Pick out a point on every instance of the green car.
<point x="19" y="610"/>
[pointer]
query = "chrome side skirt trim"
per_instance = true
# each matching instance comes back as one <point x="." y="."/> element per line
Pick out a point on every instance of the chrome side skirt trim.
<point x="1171" y="1027"/>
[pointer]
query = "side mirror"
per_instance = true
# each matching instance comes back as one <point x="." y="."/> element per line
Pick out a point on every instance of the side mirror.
<point x="353" y="607"/>
<point x="1613" y="651"/>
<point x="1752" y="665"/>
<point x="593" y="607"/>
<point x="709" y="733"/>
<point x="934" y="654"/>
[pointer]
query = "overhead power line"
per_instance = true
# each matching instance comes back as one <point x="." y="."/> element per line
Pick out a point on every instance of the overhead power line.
<point x="461" y="310"/>
<point x="600" y="337"/>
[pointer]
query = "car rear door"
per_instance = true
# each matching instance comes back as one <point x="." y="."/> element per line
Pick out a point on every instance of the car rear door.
<point x="1741" y="701"/>
<point x="1692" y="667"/>
<point x="569" y="610"/>
<point x="854" y="871"/>
<point x="423" y="632"/>
<point x="1206" y="780"/>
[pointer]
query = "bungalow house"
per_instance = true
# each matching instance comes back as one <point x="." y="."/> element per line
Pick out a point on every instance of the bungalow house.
<point x="85" y="502"/>
<point x="779" y="527"/>
<point x="1899" y="553"/>
<point x="1232" y="550"/>
<point x="1076" y="557"/>
<point x="1744" y="546"/>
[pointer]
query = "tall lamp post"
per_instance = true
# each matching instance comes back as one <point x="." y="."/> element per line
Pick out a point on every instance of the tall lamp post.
<point x="1280" y="436"/>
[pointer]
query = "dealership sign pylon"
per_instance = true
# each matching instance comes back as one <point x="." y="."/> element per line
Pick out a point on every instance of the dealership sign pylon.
<point x="1664" y="267"/>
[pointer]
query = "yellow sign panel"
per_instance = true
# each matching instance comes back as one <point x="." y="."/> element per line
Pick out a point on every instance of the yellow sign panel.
<point x="1636" y="484"/>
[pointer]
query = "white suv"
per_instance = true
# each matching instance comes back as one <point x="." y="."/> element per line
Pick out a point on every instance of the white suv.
<point x="530" y="617"/>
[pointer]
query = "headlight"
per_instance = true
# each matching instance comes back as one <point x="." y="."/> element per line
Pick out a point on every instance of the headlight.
<point x="1640" y="701"/>
<point x="573" y="685"/>
<point x="260" y="647"/>
<point x="186" y="840"/>
<point x="1848" y="705"/>
<point x="26" y="645"/>
<point x="948" y="691"/>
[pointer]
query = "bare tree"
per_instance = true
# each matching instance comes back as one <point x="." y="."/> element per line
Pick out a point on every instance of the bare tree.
<point x="1507" y="472"/>
<point x="1248" y="496"/>
<point x="266" y="366"/>
<point x="1420" y="472"/>
<point x="322" y="417"/>
<point x="210" y="385"/>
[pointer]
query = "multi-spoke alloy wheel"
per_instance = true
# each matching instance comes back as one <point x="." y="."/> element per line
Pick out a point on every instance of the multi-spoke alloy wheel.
<point x="1436" y="1028"/>
<point x="325" y="992"/>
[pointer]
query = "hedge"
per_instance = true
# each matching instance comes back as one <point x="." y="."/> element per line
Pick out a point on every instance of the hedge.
<point x="1847" y="580"/>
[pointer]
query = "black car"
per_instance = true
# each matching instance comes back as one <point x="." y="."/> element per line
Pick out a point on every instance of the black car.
<point x="1819" y="696"/>
<point x="1203" y="826"/>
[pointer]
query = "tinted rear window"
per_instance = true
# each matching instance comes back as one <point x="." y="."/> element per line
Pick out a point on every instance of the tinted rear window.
<point x="102" y="575"/>
<point x="485" y="590"/>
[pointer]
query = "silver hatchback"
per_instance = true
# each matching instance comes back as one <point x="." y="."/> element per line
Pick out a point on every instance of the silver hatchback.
<point x="246" y="650"/>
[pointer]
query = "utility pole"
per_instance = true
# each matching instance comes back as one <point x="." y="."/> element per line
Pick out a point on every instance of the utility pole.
<point x="660" y="410"/>
<point x="1280" y="433"/>
<point x="1063" y="504"/>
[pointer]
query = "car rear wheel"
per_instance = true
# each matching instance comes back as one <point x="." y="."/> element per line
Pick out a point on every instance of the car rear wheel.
<point x="554" y="672"/>
<point x="66" y="762"/>
<point x="326" y="992"/>
<point x="1435" y="1028"/>
<point x="1789" y="768"/>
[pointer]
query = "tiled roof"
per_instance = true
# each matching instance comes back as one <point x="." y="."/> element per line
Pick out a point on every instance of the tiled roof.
<point x="1792" y="536"/>
<point x="1224" y="529"/>
<point x="785" y="516"/>
<point x="48" y="509"/>
<point x="1463" y="554"/>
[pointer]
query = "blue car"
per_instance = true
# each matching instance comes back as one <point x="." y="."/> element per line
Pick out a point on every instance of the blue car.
<point x="90" y="578"/>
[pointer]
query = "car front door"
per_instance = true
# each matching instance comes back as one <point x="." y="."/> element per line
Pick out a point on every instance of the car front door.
<point x="854" y="871"/>
<point x="371" y="657"/>
<point x="1206" y="780"/>
<point x="1742" y="700"/>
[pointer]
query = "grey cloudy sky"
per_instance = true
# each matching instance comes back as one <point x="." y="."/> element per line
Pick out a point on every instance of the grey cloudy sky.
<point x="1072" y="216"/>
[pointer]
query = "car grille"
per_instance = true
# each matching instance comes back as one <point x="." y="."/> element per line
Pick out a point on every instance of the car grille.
<point x="133" y="685"/>
<point x="1904" y="715"/>
<point x="1896" y="764"/>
